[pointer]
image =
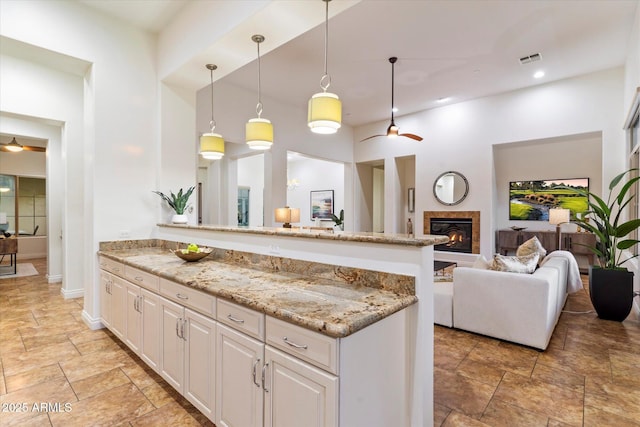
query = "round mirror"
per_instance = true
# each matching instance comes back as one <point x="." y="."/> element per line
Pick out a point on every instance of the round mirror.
<point x="451" y="188"/>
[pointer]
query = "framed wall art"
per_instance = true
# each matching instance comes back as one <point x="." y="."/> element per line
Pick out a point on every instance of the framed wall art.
<point x="321" y="204"/>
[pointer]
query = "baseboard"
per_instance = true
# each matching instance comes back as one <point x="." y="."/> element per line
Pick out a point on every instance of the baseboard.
<point x="92" y="323"/>
<point x="78" y="293"/>
<point x="54" y="278"/>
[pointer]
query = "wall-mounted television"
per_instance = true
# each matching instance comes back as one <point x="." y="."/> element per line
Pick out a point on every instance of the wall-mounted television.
<point x="531" y="200"/>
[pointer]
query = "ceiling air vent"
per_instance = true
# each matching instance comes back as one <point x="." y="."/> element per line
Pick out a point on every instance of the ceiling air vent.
<point x="531" y="58"/>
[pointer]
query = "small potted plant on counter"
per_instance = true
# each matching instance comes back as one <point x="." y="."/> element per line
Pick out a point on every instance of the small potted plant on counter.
<point x="610" y="283"/>
<point x="177" y="202"/>
<point x="338" y="221"/>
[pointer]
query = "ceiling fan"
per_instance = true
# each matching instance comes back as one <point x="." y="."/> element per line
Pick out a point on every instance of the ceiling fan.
<point x="15" y="147"/>
<point x="393" y="130"/>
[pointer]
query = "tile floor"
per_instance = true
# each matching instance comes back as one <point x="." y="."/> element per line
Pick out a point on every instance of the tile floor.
<point x="589" y="375"/>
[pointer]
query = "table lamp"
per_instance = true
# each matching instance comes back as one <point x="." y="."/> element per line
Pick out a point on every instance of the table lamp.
<point x="558" y="216"/>
<point x="287" y="215"/>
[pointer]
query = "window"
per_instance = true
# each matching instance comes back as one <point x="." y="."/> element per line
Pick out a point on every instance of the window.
<point x="632" y="127"/>
<point x="23" y="201"/>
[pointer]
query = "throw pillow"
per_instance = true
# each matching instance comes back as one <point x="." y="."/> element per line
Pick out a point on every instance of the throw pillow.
<point x="515" y="264"/>
<point x="482" y="263"/>
<point x="531" y="246"/>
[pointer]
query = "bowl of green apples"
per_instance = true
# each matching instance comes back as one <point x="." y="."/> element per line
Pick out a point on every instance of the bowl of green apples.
<point x="192" y="252"/>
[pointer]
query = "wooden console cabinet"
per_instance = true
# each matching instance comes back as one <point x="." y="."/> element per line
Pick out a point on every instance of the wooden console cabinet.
<point x="509" y="240"/>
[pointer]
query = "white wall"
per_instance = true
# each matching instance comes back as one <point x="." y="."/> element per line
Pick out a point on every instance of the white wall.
<point x="251" y="174"/>
<point x="461" y="137"/>
<point x="315" y="175"/>
<point x="110" y="127"/>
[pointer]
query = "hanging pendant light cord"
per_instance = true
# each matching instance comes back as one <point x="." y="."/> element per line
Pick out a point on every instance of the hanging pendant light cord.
<point x="212" y="123"/>
<point x="393" y="66"/>
<point x="325" y="81"/>
<point x="259" y="106"/>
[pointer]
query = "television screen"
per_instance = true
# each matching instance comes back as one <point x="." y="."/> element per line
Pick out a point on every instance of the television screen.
<point x="531" y="200"/>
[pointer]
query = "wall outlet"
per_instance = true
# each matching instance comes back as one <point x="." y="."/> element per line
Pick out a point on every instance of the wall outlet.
<point x="124" y="234"/>
<point x="274" y="249"/>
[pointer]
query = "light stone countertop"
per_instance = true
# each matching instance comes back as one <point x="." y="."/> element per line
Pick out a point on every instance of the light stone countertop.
<point x="336" y="308"/>
<point x="369" y="237"/>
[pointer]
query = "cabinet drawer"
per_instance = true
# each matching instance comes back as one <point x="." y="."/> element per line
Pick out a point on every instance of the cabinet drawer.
<point x="204" y="303"/>
<point x="141" y="278"/>
<point x="317" y="349"/>
<point x="240" y="318"/>
<point x="112" y="266"/>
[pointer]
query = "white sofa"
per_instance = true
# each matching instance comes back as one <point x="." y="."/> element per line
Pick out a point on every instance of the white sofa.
<point x="517" y="307"/>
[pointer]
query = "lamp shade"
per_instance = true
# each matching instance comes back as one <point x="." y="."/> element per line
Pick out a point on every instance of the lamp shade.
<point x="259" y="134"/>
<point x="287" y="215"/>
<point x="211" y="146"/>
<point x="559" y="216"/>
<point x="325" y="113"/>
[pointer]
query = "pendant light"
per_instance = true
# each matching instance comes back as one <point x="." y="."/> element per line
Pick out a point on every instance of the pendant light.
<point x="325" y="108"/>
<point x="259" y="131"/>
<point x="14" y="146"/>
<point x="211" y="144"/>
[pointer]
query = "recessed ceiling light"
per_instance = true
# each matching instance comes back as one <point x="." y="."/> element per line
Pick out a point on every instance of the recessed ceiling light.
<point x="394" y="109"/>
<point x="538" y="74"/>
<point x="443" y="99"/>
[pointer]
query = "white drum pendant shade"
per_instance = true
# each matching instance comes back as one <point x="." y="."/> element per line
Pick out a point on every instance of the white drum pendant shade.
<point x="211" y="146"/>
<point x="259" y="134"/>
<point x="325" y="113"/>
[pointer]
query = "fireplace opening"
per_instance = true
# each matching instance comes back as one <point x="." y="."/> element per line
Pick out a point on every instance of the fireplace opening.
<point x="458" y="230"/>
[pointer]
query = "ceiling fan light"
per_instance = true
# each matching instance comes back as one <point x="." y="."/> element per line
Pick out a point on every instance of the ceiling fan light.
<point x="211" y="146"/>
<point x="259" y="134"/>
<point x="13" y="146"/>
<point x="325" y="113"/>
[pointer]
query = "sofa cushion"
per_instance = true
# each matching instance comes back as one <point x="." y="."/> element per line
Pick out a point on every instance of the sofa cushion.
<point x="531" y="246"/>
<point x="515" y="264"/>
<point x="482" y="263"/>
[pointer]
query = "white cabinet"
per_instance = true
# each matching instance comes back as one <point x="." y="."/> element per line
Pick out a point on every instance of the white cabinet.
<point x="298" y="394"/>
<point x="239" y="394"/>
<point x="105" y="298"/>
<point x="117" y="303"/>
<point x="150" y="345"/>
<point x="187" y="356"/>
<point x="133" y="317"/>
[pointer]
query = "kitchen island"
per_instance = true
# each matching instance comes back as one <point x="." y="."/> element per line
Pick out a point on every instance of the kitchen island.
<point x="363" y="300"/>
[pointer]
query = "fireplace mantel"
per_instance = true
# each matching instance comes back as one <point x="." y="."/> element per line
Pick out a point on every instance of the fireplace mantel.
<point x="475" y="224"/>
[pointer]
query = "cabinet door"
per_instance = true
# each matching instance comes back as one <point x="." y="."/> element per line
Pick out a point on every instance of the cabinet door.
<point x="172" y="343"/>
<point x="200" y="362"/>
<point x="297" y="394"/>
<point x="151" y="319"/>
<point x="105" y="298"/>
<point x="118" y="290"/>
<point x="133" y="321"/>
<point x="239" y="396"/>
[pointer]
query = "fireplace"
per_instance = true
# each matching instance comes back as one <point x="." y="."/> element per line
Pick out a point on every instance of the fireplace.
<point x="458" y="230"/>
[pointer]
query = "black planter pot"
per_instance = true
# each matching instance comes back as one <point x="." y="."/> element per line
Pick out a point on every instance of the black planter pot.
<point x="611" y="292"/>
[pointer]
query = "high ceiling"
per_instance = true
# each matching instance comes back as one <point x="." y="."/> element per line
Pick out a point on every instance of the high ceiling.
<point x="459" y="50"/>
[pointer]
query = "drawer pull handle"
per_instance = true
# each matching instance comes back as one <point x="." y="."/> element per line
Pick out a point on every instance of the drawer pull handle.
<point x="294" y="345"/>
<point x="264" y="368"/>
<point x="138" y="278"/>
<point x="182" y="296"/>
<point x="234" y="319"/>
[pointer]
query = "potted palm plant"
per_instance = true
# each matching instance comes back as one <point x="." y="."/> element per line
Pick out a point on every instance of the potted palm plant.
<point x="610" y="283"/>
<point x="338" y="221"/>
<point x="177" y="202"/>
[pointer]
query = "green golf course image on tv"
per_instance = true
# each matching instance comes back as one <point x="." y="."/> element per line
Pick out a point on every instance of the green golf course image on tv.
<point x="531" y="200"/>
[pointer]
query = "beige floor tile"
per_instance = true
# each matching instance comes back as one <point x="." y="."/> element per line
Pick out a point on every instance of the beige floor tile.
<point x="625" y="367"/>
<point x="594" y="417"/>
<point x="160" y="394"/>
<point x="440" y="413"/>
<point x="501" y="414"/>
<point x="580" y="362"/>
<point x="14" y="363"/>
<point x="119" y="405"/>
<point x="103" y="344"/>
<point x="463" y="394"/>
<point x="562" y="402"/>
<point x="34" y="376"/>
<point x="85" y="335"/>
<point x="85" y="366"/>
<point x="612" y="398"/>
<point x="99" y="383"/>
<point x="31" y="343"/>
<point x="507" y="357"/>
<point x="456" y="419"/>
<point x="17" y="419"/>
<point x="480" y="371"/>
<point x="141" y="375"/>
<point x="170" y="414"/>
<point x="54" y="391"/>
<point x="550" y="375"/>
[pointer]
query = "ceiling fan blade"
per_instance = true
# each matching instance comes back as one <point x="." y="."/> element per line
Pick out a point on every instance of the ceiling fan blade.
<point x="412" y="136"/>
<point x="374" y="136"/>
<point x="3" y="147"/>
<point x="36" y="149"/>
